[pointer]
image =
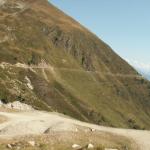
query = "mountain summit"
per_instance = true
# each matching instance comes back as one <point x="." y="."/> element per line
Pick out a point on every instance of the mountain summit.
<point x="50" y="61"/>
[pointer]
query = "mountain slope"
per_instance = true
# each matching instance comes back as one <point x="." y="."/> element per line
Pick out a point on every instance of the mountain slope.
<point x="52" y="62"/>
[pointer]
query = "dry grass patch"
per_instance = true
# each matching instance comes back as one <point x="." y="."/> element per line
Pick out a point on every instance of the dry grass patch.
<point x="65" y="140"/>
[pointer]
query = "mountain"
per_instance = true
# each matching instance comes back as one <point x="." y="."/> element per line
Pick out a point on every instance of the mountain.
<point x="52" y="62"/>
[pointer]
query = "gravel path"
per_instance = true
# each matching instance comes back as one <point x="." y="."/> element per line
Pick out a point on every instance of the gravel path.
<point x="37" y="122"/>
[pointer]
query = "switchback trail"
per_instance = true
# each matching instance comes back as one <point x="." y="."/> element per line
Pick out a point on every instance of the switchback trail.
<point x="43" y="65"/>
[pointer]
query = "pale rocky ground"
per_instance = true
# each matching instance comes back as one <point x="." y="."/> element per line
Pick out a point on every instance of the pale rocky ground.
<point x="16" y="106"/>
<point x="32" y="122"/>
<point x="2" y="2"/>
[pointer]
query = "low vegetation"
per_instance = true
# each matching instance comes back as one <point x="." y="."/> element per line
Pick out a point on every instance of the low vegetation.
<point x="64" y="141"/>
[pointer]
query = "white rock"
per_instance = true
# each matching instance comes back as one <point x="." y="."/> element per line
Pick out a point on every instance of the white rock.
<point x="90" y="146"/>
<point x="32" y="143"/>
<point x="29" y="84"/>
<point x="93" y="130"/>
<point x="76" y="146"/>
<point x="20" y="65"/>
<point x="9" y="146"/>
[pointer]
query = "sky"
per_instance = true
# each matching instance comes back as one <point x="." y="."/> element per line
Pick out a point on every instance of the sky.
<point x="123" y="24"/>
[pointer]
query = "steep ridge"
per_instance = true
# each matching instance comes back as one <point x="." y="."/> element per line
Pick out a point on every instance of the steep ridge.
<point x="52" y="62"/>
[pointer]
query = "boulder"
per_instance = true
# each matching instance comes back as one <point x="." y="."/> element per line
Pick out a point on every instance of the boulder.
<point x="76" y="146"/>
<point x="9" y="146"/>
<point x="90" y="146"/>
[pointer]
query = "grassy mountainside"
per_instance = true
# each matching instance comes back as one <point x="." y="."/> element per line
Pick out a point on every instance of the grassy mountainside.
<point x="64" y="67"/>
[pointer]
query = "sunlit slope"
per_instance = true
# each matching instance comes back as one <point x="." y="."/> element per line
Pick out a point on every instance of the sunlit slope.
<point x="64" y="67"/>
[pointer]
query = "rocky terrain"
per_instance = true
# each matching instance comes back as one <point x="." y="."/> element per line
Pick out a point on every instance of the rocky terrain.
<point x="39" y="130"/>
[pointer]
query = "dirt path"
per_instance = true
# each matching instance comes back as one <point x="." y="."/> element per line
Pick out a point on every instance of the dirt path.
<point x="43" y="66"/>
<point x="37" y="122"/>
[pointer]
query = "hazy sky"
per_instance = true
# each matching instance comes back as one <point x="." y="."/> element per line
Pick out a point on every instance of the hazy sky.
<point x="123" y="24"/>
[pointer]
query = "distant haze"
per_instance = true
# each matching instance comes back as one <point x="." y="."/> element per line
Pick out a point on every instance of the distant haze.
<point x="142" y="68"/>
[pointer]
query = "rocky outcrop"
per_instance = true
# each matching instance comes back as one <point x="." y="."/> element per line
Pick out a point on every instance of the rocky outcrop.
<point x="16" y="106"/>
